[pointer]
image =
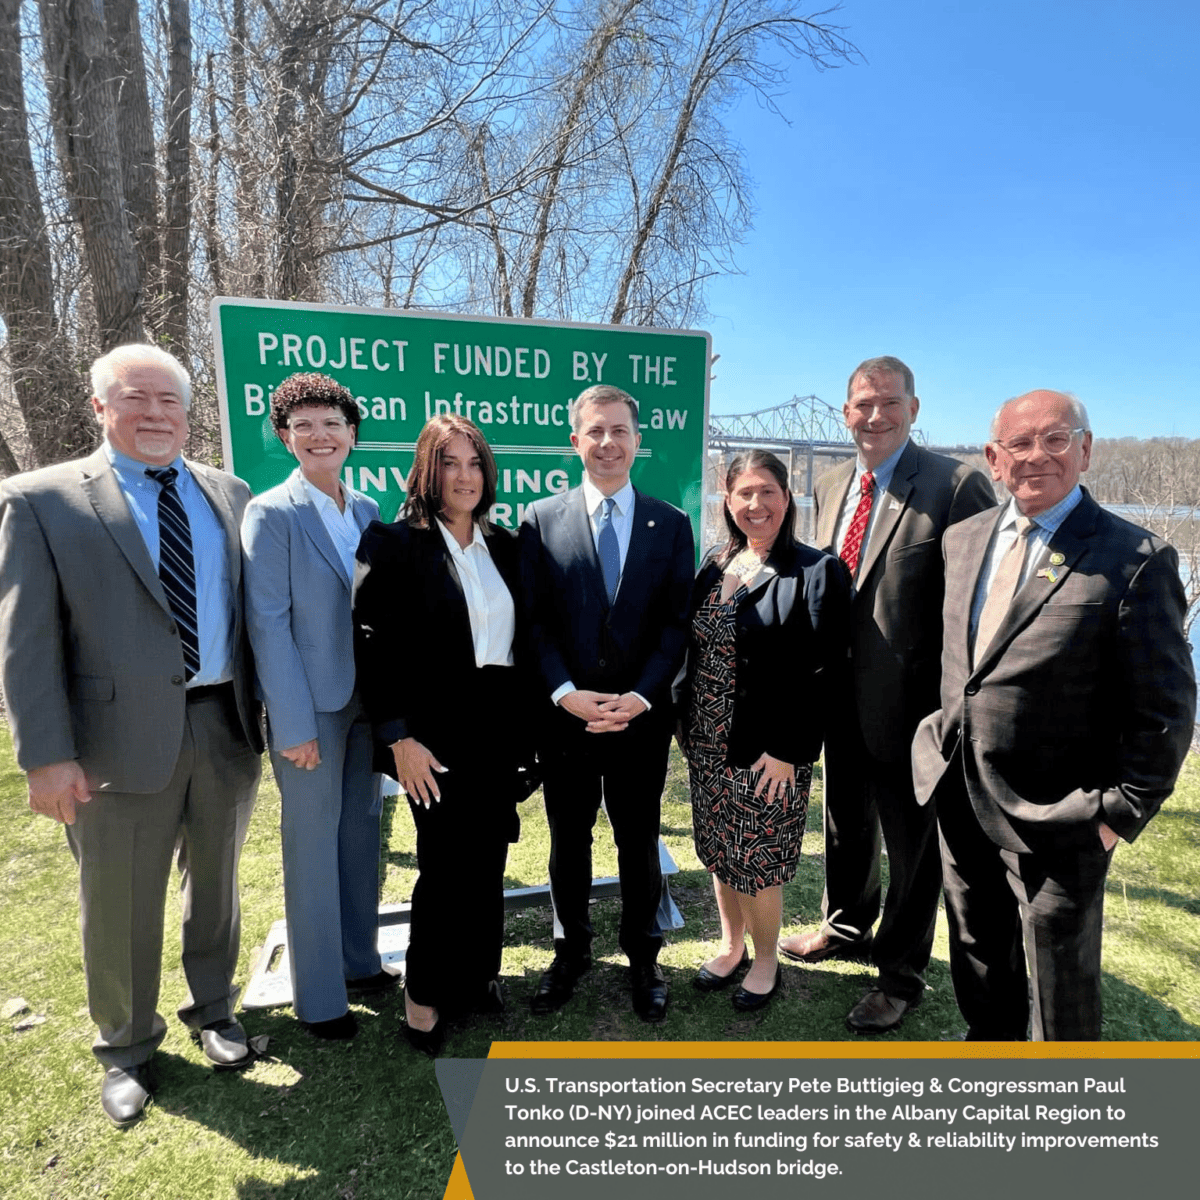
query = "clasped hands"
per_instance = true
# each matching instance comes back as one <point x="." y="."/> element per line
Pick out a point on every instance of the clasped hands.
<point x="603" y="712"/>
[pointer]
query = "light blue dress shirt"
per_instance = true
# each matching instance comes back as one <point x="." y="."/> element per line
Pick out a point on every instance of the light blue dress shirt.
<point x="622" y="516"/>
<point x="214" y="594"/>
<point x="883" y="478"/>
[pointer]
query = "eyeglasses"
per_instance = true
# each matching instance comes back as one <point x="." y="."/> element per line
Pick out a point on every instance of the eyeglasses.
<point x="304" y="428"/>
<point x="1057" y="441"/>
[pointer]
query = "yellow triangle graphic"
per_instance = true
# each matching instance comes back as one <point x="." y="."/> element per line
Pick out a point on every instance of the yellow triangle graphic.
<point x="459" y="1187"/>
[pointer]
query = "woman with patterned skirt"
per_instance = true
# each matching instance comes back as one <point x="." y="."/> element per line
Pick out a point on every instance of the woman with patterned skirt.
<point x="768" y="634"/>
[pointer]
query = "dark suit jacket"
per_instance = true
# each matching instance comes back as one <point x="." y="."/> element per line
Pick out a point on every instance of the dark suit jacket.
<point x="413" y="647"/>
<point x="1082" y="708"/>
<point x="896" y="613"/>
<point x="790" y="638"/>
<point x="637" y="644"/>
<point x="91" y="661"/>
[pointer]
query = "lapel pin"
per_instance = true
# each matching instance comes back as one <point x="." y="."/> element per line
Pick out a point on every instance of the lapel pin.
<point x="649" y="524"/>
<point x="1057" y="560"/>
<point x="1048" y="573"/>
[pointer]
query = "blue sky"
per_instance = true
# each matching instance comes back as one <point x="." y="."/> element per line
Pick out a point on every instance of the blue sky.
<point x="1004" y="195"/>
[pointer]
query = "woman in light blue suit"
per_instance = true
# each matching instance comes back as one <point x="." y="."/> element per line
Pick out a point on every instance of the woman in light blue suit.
<point x="299" y="541"/>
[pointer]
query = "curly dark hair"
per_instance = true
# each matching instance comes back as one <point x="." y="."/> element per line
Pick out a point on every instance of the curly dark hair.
<point x="307" y="388"/>
<point x="425" y="479"/>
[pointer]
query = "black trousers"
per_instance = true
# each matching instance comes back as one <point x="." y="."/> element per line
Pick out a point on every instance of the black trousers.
<point x="868" y="804"/>
<point x="627" y="771"/>
<point x="1006" y="909"/>
<point x="457" y="917"/>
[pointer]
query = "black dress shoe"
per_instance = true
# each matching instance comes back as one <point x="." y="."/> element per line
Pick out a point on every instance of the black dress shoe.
<point x="557" y="985"/>
<point x="124" y="1093"/>
<point x="224" y="1045"/>
<point x="491" y="1003"/>
<point x="381" y="981"/>
<point x="427" y="1041"/>
<point x="745" y="1000"/>
<point x="339" y="1029"/>
<point x="709" y="981"/>
<point x="649" y="992"/>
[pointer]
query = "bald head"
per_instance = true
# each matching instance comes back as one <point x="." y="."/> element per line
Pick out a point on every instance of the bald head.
<point x="1037" y="477"/>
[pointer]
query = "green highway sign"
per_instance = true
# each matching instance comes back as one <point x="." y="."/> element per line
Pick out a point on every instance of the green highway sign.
<point x="513" y="378"/>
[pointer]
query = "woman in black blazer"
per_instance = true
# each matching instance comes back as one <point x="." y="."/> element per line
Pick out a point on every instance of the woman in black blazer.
<point x="435" y="626"/>
<point x="768" y="634"/>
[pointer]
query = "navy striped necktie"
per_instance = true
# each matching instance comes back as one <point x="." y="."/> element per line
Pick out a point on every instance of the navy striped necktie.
<point x="176" y="566"/>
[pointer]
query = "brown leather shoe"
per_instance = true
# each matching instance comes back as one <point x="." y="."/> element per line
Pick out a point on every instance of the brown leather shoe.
<point x="817" y="947"/>
<point x="877" y="1012"/>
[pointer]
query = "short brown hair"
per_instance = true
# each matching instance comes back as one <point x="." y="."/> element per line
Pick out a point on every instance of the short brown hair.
<point x="602" y="393"/>
<point x="425" y="479"/>
<point x="877" y="366"/>
<point x="307" y="388"/>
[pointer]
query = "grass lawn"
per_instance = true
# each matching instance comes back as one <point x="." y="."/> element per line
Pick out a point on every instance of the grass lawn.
<point x="366" y="1120"/>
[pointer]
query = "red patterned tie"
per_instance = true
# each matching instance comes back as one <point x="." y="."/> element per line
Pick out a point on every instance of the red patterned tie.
<point x="853" y="541"/>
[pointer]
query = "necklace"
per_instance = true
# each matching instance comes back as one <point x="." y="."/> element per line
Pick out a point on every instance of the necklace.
<point x="747" y="563"/>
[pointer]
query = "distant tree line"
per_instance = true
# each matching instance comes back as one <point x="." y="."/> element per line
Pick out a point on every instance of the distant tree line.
<point x="563" y="159"/>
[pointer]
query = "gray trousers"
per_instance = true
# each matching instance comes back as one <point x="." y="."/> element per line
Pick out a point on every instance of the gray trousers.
<point x="330" y="828"/>
<point x="124" y="844"/>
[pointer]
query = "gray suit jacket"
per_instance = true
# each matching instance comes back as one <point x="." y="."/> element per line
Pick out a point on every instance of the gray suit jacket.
<point x="1082" y="708"/>
<point x="298" y="609"/>
<point x="90" y="659"/>
<point x="896" y="612"/>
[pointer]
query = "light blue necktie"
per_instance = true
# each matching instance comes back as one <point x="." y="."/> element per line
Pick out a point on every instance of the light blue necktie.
<point x="610" y="552"/>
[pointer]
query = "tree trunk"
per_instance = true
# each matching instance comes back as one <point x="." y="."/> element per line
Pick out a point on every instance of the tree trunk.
<point x="135" y="134"/>
<point x="178" y="175"/>
<point x="85" y="129"/>
<point x="46" y="389"/>
<point x="251" y="278"/>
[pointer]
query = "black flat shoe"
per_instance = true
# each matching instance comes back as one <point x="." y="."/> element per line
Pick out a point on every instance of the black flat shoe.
<point x="745" y="1000"/>
<point x="427" y="1041"/>
<point x="340" y="1029"/>
<point x="709" y="981"/>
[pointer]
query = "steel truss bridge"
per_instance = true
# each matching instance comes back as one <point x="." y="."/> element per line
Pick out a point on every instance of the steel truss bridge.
<point x="802" y="425"/>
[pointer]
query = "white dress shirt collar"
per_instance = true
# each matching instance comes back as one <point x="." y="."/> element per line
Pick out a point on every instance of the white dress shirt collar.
<point x="477" y="538"/>
<point x="593" y="497"/>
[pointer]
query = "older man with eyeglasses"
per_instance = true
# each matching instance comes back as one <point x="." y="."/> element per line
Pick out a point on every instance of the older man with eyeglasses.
<point x="1068" y="703"/>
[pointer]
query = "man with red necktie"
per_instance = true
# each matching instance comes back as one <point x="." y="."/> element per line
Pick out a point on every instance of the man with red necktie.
<point x="884" y="514"/>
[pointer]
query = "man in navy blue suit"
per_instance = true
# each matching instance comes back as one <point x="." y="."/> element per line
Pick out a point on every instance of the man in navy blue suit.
<point x="606" y="572"/>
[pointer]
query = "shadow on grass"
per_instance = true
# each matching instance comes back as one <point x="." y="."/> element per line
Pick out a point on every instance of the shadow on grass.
<point x="1131" y="1015"/>
<point x="1115" y="889"/>
<point x="320" y="1110"/>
